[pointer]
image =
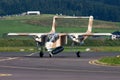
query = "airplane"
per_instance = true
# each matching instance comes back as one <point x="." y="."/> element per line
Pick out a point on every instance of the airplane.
<point x="53" y="41"/>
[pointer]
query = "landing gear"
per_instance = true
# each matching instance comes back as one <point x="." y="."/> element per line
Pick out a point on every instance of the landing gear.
<point x="78" y="54"/>
<point x="50" y="54"/>
<point x="41" y="54"/>
<point x="40" y="48"/>
<point x="74" y="50"/>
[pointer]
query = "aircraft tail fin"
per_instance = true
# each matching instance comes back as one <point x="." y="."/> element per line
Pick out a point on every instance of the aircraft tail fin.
<point x="89" y="30"/>
<point x="53" y="25"/>
<point x="90" y="24"/>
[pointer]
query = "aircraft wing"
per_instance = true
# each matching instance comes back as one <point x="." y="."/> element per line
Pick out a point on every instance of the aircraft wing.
<point x="38" y="37"/>
<point x="90" y="34"/>
<point x="80" y="37"/>
<point x="101" y="34"/>
<point x="27" y="34"/>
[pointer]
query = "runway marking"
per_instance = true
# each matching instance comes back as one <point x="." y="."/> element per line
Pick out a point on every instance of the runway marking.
<point x="8" y="59"/>
<point x="61" y="70"/>
<point x="31" y="54"/>
<point x="5" y="75"/>
<point x="96" y="62"/>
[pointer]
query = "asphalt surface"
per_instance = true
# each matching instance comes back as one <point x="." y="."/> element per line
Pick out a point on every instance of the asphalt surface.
<point x="63" y="66"/>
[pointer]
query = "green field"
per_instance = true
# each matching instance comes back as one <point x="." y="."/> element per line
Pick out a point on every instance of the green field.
<point x="43" y="23"/>
<point x="113" y="61"/>
<point x="16" y="44"/>
<point x="67" y="49"/>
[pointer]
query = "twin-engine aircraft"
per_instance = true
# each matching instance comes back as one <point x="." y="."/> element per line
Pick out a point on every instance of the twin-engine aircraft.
<point x="53" y="41"/>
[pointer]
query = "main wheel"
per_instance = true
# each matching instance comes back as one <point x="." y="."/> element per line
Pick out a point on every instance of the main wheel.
<point x="78" y="54"/>
<point x="41" y="54"/>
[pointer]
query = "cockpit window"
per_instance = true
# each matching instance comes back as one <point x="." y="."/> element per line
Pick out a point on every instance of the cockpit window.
<point x="52" y="37"/>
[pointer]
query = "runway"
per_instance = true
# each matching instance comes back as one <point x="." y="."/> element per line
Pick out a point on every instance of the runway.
<point x="64" y="66"/>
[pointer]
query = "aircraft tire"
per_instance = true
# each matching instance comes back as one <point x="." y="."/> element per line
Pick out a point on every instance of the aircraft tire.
<point x="78" y="54"/>
<point x="41" y="54"/>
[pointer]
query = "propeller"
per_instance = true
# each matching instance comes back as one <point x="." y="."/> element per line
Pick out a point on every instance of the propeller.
<point x="79" y="39"/>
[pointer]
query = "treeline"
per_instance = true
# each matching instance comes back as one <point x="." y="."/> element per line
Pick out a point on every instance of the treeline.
<point x="101" y="9"/>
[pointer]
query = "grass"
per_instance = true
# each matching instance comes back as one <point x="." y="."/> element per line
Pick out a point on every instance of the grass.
<point x="18" y="49"/>
<point x="20" y="24"/>
<point x="67" y="49"/>
<point x="43" y="23"/>
<point x="111" y="60"/>
<point x="106" y="49"/>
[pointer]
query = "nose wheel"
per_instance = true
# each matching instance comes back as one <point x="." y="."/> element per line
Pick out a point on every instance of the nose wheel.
<point x="50" y="54"/>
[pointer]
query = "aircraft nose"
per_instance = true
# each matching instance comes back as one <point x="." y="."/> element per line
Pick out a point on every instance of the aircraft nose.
<point x="48" y="46"/>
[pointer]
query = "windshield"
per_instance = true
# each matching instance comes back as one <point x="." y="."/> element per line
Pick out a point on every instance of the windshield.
<point x="52" y="37"/>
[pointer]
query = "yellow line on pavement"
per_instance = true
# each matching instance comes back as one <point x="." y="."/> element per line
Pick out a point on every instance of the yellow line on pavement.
<point x="5" y="75"/>
<point x="96" y="62"/>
